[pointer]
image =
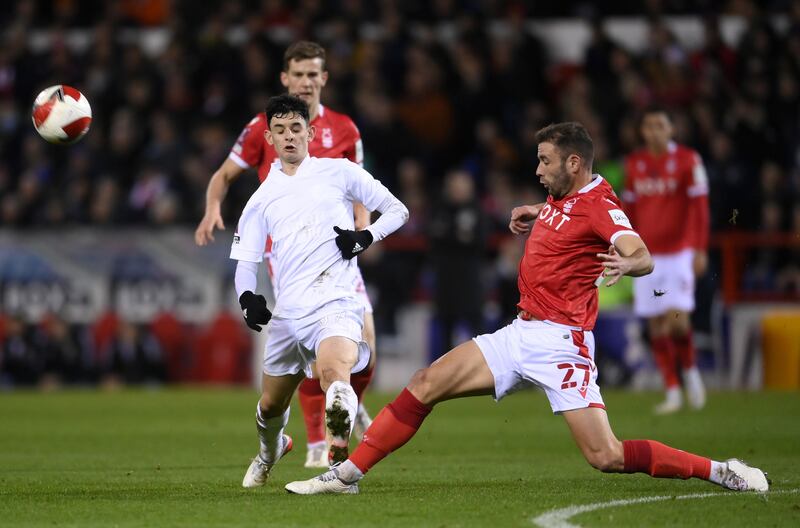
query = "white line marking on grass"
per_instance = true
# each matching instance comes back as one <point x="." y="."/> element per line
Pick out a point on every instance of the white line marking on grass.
<point x="560" y="518"/>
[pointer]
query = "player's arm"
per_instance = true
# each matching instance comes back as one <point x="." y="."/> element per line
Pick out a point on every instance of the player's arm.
<point x="248" y="250"/>
<point x="254" y="306"/>
<point x="522" y="216"/>
<point x="217" y="188"/>
<point x="699" y="221"/>
<point x="362" y="187"/>
<point x="361" y="216"/>
<point x="355" y="153"/>
<point x="628" y="192"/>
<point x="628" y="255"/>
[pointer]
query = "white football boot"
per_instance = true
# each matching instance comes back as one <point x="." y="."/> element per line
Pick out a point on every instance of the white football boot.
<point x="317" y="456"/>
<point x="258" y="472"/>
<point x="328" y="482"/>
<point x="741" y="477"/>
<point x="362" y="422"/>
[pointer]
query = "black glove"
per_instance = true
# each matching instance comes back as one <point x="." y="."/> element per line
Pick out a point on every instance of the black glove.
<point x="254" y="309"/>
<point x="351" y="243"/>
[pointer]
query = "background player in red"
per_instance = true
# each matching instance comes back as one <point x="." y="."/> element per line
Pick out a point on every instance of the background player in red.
<point x="304" y="76"/>
<point x="580" y="236"/>
<point x="666" y="198"/>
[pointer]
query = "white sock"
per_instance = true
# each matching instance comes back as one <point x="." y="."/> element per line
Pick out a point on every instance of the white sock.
<point x="270" y="435"/>
<point x="718" y="470"/>
<point x="342" y="392"/>
<point x="674" y="395"/>
<point x="314" y="445"/>
<point x="348" y="472"/>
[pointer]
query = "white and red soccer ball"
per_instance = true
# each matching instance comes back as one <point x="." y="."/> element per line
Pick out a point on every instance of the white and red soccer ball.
<point x="61" y="114"/>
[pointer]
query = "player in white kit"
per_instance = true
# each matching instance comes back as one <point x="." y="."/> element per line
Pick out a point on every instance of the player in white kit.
<point x="305" y="205"/>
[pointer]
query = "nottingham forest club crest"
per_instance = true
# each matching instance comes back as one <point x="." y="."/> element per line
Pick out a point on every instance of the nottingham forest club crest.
<point x="327" y="138"/>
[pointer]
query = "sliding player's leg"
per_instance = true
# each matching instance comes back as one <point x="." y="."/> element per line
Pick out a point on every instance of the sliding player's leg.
<point x="461" y="372"/>
<point x="594" y="437"/>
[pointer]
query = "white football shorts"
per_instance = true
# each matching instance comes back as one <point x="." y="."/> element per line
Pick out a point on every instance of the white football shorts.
<point x="557" y="358"/>
<point x="292" y="343"/>
<point x="669" y="287"/>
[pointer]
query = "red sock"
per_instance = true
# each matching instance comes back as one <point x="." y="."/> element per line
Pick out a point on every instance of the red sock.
<point x="361" y="380"/>
<point x="684" y="348"/>
<point x="661" y="461"/>
<point x="312" y="401"/>
<point x="664" y="355"/>
<point x="391" y="429"/>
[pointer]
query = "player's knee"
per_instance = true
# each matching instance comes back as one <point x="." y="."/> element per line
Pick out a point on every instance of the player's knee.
<point x="608" y="459"/>
<point x="421" y="385"/>
<point x="270" y="408"/>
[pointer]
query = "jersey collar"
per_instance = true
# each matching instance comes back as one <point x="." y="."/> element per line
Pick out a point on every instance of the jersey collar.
<point x="301" y="169"/>
<point x="596" y="180"/>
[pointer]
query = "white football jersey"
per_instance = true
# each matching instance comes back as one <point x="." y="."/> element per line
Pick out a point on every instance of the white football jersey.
<point x="299" y="213"/>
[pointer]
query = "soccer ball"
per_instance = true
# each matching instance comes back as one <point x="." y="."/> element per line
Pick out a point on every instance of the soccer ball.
<point x="61" y="114"/>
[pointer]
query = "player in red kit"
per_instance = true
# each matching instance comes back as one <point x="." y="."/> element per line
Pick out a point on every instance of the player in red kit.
<point x="304" y="76"/>
<point x="666" y="198"/>
<point x="580" y="237"/>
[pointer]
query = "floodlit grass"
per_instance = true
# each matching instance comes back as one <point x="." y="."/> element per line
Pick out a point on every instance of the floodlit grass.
<point x="176" y="457"/>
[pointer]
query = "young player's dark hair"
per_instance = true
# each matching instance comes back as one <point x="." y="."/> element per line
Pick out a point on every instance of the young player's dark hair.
<point x="302" y="50"/>
<point x="286" y="105"/>
<point x="569" y="138"/>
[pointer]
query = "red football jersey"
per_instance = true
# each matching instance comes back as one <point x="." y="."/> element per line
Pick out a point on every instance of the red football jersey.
<point x="666" y="198"/>
<point x="559" y="272"/>
<point x="336" y="137"/>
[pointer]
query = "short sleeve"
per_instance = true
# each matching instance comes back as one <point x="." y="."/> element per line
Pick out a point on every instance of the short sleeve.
<point x="251" y="234"/>
<point x="609" y="221"/>
<point x="248" y="150"/>
<point x="355" y="147"/>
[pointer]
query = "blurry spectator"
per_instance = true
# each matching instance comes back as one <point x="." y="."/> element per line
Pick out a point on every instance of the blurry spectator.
<point x="20" y="363"/>
<point x="132" y="356"/>
<point x="63" y="352"/>
<point x="458" y="235"/>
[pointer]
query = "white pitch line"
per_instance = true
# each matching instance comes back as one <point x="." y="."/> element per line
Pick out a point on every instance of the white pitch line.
<point x="560" y="518"/>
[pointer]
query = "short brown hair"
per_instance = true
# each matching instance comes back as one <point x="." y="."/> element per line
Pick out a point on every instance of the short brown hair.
<point x="304" y="49"/>
<point x="569" y="138"/>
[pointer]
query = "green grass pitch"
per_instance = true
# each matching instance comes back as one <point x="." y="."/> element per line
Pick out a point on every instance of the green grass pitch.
<point x="176" y="457"/>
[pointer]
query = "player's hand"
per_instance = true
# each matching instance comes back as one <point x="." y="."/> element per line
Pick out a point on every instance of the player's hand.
<point x="351" y="243"/>
<point x="522" y="216"/>
<point x="616" y="265"/>
<point x="700" y="263"/>
<point x="205" y="229"/>
<point x="254" y="310"/>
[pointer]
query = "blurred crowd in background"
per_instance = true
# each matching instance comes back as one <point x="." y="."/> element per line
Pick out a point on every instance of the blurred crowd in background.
<point x="447" y="105"/>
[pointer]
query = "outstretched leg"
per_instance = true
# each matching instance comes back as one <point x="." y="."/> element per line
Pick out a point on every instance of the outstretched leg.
<point x="459" y="373"/>
<point x="594" y="437"/>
